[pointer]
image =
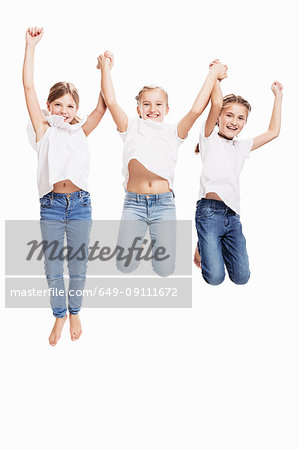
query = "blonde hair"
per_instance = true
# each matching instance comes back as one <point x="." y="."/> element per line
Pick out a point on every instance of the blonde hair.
<point x="231" y="98"/>
<point x="61" y="88"/>
<point x="148" y="88"/>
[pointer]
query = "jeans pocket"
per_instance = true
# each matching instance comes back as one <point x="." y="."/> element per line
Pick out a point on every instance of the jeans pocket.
<point x="45" y="201"/>
<point x="167" y="202"/>
<point x="129" y="202"/>
<point x="205" y="212"/>
<point x="85" y="200"/>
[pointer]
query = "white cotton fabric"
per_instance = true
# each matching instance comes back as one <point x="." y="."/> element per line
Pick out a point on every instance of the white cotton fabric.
<point x="62" y="153"/>
<point x="154" y="144"/>
<point x="223" y="160"/>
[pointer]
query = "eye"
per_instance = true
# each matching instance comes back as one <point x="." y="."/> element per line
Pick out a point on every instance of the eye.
<point x="229" y="115"/>
<point x="71" y="106"/>
<point x="57" y="104"/>
<point x="242" y="118"/>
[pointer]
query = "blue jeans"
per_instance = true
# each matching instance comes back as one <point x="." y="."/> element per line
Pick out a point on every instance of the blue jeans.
<point x="68" y="214"/>
<point x="221" y="243"/>
<point x="158" y="212"/>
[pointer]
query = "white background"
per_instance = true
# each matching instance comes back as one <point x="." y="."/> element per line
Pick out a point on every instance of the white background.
<point x="224" y="374"/>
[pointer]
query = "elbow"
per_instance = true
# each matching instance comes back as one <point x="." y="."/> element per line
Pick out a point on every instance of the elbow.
<point x="27" y="86"/>
<point x="217" y="103"/>
<point x="196" y="112"/>
<point x="274" y="134"/>
<point x="109" y="102"/>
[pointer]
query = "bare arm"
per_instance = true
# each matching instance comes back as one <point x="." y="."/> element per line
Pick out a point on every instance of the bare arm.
<point x="33" y="36"/>
<point x="95" y="116"/>
<point x="118" y="114"/>
<point x="216" y="71"/>
<point x="216" y="105"/>
<point x="274" y="125"/>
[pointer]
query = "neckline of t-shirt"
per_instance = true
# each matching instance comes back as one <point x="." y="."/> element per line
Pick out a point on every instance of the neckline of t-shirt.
<point x="152" y="122"/>
<point x="229" y="141"/>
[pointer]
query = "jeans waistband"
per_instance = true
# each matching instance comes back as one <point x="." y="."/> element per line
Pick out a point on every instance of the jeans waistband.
<point x="216" y="204"/>
<point x="79" y="194"/>
<point x="153" y="197"/>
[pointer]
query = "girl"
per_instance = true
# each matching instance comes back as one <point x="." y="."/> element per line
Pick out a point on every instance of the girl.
<point x="220" y="238"/>
<point x="59" y="138"/>
<point x="149" y="158"/>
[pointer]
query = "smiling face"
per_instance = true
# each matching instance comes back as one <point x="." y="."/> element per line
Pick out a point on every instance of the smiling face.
<point x="232" y="119"/>
<point x="64" y="106"/>
<point x="153" y="105"/>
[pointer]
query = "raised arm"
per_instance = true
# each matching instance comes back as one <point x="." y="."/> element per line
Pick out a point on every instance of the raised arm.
<point x="95" y="117"/>
<point x="217" y="71"/>
<point x="118" y="114"/>
<point x="274" y="125"/>
<point x="216" y="105"/>
<point x="33" y="36"/>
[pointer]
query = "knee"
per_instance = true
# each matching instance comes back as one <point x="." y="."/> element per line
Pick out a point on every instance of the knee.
<point x="240" y="278"/>
<point x="163" y="270"/>
<point x="122" y="267"/>
<point x="214" y="278"/>
<point x="80" y="278"/>
<point x="54" y="277"/>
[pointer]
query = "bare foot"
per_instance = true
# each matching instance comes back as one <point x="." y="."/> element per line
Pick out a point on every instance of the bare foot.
<point x="75" y="327"/>
<point x="56" y="330"/>
<point x="197" y="258"/>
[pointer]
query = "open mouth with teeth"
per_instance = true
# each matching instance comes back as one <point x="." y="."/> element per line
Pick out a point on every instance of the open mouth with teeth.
<point x="152" y="116"/>
<point x="232" y="128"/>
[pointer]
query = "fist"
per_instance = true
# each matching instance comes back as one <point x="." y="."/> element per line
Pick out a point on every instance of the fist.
<point x="218" y="68"/>
<point x="277" y="89"/>
<point x="105" y="60"/>
<point x="34" y="35"/>
<point x="215" y="61"/>
<point x="109" y="55"/>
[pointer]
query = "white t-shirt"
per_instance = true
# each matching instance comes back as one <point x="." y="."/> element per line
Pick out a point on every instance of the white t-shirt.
<point x="154" y="144"/>
<point x="222" y="160"/>
<point x="62" y="153"/>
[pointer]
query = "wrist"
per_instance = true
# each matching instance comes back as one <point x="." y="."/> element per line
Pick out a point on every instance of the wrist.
<point x="213" y="74"/>
<point x="277" y="97"/>
<point x="105" y="66"/>
<point x="30" y="46"/>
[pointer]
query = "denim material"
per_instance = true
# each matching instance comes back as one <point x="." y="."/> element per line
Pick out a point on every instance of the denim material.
<point x="70" y="215"/>
<point x="158" y="212"/>
<point x="221" y="243"/>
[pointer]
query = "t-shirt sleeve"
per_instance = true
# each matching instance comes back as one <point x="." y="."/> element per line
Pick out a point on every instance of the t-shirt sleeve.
<point x="31" y="136"/>
<point x="178" y="138"/>
<point x="202" y="131"/>
<point x="203" y="138"/>
<point x="124" y="134"/>
<point x="245" y="146"/>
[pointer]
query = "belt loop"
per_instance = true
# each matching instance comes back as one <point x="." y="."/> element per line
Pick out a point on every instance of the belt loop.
<point x="172" y="193"/>
<point x="137" y="198"/>
<point x="156" y="198"/>
<point x="52" y="195"/>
